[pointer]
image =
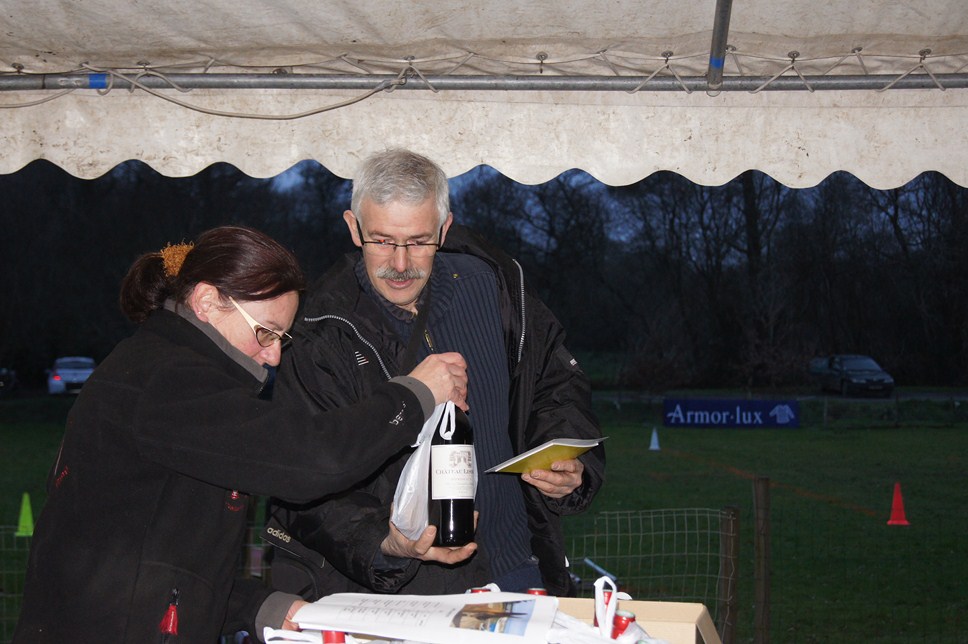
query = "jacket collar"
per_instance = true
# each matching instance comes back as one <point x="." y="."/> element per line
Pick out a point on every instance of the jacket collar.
<point x="257" y="371"/>
<point x="338" y="293"/>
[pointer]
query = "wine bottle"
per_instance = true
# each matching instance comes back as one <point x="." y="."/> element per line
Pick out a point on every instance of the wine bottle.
<point x="451" y="481"/>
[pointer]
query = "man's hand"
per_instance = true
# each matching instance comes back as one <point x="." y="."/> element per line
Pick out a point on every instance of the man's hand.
<point x="560" y="481"/>
<point x="398" y="545"/>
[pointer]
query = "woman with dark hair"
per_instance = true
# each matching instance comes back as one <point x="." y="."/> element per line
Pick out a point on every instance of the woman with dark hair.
<point x="141" y="535"/>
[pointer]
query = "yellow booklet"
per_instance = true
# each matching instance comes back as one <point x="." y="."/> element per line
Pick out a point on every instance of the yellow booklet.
<point x="542" y="456"/>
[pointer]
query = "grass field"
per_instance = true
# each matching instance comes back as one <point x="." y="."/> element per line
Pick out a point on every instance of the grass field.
<point x="839" y="572"/>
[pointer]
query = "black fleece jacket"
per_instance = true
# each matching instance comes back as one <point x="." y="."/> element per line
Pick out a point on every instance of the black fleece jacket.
<point x="149" y="493"/>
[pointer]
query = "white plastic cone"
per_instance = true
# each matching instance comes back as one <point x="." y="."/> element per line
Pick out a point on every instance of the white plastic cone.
<point x="654" y="445"/>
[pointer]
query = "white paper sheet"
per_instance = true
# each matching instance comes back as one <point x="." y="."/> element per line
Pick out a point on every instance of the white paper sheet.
<point x="491" y="617"/>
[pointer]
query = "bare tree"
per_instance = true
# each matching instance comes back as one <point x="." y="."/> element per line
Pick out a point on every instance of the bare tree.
<point x="694" y="285"/>
<point x="928" y="221"/>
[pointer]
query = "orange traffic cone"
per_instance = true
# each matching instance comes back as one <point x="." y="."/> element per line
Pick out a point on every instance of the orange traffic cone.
<point x="897" y="508"/>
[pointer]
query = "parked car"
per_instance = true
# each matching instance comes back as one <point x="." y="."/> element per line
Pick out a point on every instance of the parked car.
<point x="69" y="374"/>
<point x="852" y="374"/>
<point x="8" y="381"/>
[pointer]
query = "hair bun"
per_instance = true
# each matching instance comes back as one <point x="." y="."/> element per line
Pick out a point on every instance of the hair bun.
<point x="173" y="256"/>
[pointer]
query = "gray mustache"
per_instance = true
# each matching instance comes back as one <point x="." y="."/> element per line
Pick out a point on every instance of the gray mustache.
<point x="389" y="273"/>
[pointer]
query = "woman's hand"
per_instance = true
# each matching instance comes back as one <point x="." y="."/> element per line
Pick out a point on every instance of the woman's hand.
<point x="288" y="624"/>
<point x="446" y="376"/>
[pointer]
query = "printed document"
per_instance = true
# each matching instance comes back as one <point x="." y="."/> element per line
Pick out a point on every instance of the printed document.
<point x="435" y="619"/>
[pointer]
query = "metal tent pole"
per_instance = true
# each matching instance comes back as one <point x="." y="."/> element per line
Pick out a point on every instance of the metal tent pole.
<point x="717" y="50"/>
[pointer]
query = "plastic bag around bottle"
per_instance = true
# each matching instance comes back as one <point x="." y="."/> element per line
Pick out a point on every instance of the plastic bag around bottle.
<point x="411" y="500"/>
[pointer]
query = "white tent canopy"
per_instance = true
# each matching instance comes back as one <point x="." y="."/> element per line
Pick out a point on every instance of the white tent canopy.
<point x="614" y="87"/>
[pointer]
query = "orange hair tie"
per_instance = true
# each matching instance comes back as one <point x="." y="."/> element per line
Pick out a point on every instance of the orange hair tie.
<point x="174" y="256"/>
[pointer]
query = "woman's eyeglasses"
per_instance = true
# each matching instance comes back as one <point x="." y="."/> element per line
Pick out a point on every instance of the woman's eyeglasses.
<point x="265" y="337"/>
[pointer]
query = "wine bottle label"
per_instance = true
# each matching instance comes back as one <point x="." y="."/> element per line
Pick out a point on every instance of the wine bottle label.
<point x="452" y="471"/>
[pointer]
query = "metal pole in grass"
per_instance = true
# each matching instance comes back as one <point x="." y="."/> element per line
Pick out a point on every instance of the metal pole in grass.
<point x="728" y="573"/>
<point x="762" y="561"/>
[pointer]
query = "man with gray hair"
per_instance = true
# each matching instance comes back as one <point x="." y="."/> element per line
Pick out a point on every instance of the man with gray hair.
<point x="423" y="285"/>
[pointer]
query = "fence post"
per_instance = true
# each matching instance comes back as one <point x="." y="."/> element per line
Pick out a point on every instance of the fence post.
<point x="253" y="550"/>
<point x="728" y="573"/>
<point x="762" y="561"/>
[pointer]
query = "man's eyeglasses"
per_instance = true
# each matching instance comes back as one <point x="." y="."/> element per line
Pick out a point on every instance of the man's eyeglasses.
<point x="386" y="248"/>
<point x="265" y="337"/>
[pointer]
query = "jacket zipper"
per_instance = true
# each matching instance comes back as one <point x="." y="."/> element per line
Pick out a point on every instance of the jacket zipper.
<point x="379" y="359"/>
<point x="523" y="312"/>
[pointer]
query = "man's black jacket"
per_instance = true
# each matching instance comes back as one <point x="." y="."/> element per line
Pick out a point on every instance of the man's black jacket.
<point x="343" y="348"/>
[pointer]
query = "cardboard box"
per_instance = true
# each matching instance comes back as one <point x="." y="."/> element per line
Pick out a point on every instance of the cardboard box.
<point x="679" y="623"/>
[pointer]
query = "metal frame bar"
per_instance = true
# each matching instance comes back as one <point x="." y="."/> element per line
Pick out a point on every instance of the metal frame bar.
<point x="631" y="84"/>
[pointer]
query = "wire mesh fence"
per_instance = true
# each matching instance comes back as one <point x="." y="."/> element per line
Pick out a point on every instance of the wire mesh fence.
<point x="676" y="555"/>
<point x="867" y="582"/>
<point x="851" y="413"/>
<point x="680" y="554"/>
<point x="13" y="563"/>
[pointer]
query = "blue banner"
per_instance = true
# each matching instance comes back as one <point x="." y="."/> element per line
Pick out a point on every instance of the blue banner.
<point x="704" y="412"/>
